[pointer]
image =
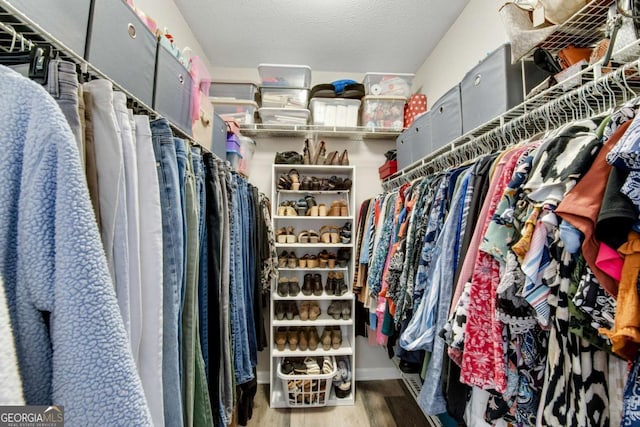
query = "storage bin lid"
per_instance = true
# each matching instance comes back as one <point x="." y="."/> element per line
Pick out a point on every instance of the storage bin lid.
<point x="376" y="75"/>
<point x="237" y="102"/>
<point x="334" y="101"/>
<point x="283" y="75"/>
<point x="383" y="98"/>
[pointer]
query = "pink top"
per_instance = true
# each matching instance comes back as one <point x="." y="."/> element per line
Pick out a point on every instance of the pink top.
<point x="609" y="261"/>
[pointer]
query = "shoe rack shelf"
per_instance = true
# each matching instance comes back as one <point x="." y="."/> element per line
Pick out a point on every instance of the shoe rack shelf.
<point x="344" y="350"/>
<point x="301" y="222"/>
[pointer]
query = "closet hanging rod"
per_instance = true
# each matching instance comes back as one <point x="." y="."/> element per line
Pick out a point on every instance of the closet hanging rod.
<point x="12" y="21"/>
<point x="592" y="98"/>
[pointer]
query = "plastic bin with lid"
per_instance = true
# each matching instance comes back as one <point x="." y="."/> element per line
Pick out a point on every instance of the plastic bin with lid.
<point x="382" y="112"/>
<point x="245" y="91"/>
<point x="336" y="112"/>
<point x="241" y="111"/>
<point x="234" y="157"/>
<point x="388" y="84"/>
<point x="284" y="116"/>
<point x="282" y="75"/>
<point x="280" y="97"/>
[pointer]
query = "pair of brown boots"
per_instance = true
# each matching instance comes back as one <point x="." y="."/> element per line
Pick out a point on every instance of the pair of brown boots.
<point x="303" y="337"/>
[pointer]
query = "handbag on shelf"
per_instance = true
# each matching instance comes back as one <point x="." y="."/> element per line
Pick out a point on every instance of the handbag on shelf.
<point x="571" y="55"/>
<point x="623" y="22"/>
<point x="288" y="158"/>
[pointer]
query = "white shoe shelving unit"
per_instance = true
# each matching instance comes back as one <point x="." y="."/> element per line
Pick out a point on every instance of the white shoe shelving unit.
<point x="278" y="398"/>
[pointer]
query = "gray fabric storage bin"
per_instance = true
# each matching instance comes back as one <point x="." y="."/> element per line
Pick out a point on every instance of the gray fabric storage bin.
<point x="494" y="86"/>
<point x="446" y="118"/>
<point x="219" y="137"/>
<point x="172" y="96"/>
<point x="123" y="48"/>
<point x="415" y="142"/>
<point x="66" y="20"/>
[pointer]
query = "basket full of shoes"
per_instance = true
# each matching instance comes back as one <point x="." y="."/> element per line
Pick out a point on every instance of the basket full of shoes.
<point x="307" y="380"/>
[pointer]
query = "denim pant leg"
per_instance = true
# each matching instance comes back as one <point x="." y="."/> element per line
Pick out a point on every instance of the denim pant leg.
<point x="249" y="271"/>
<point x="172" y="259"/>
<point x="203" y="305"/>
<point x="242" y="362"/>
<point x="62" y="85"/>
<point x="181" y="156"/>
<point x="227" y="369"/>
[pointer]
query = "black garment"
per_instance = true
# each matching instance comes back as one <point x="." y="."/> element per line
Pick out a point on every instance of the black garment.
<point x="617" y="213"/>
<point x="246" y="392"/>
<point x="214" y="259"/>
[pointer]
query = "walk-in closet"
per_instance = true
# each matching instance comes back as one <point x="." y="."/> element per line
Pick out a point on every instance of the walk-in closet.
<point x="301" y="214"/>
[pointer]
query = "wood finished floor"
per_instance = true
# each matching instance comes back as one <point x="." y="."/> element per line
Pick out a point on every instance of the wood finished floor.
<point x="378" y="404"/>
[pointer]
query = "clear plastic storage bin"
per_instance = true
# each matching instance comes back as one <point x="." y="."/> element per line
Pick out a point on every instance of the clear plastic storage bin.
<point x="336" y="112"/>
<point x="388" y="84"/>
<point x="280" y="75"/>
<point x="234" y="157"/>
<point x="241" y="111"/>
<point x="276" y="97"/>
<point x="383" y="112"/>
<point x="284" y="116"/>
<point x="245" y="91"/>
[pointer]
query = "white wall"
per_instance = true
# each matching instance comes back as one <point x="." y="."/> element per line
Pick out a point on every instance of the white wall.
<point x="167" y="14"/>
<point x="477" y="31"/>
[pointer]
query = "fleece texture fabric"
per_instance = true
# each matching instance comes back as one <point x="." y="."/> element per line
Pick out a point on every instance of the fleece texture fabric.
<point x="70" y="339"/>
<point x="11" y="390"/>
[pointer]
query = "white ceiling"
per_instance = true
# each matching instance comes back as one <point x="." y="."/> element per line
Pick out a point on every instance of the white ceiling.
<point x="328" y="35"/>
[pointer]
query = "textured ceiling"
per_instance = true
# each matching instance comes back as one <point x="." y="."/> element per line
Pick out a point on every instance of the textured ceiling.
<point x="328" y="35"/>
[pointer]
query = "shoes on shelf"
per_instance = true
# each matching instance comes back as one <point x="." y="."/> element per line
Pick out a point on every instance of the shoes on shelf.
<point x="294" y="287"/>
<point x="312" y="262"/>
<point x="301" y="207"/>
<point x="314" y="237"/>
<point x="284" y="182"/>
<point x="331" y="262"/>
<point x="307" y="285"/>
<point x="331" y="158"/>
<point x="325" y="234"/>
<point x="312" y="206"/>
<point x="341" y="285"/>
<point x="291" y="309"/>
<point x="325" y="338"/>
<point x="283" y="287"/>
<point x="292" y="260"/>
<point x="303" y="237"/>
<point x="305" y="185"/>
<point x="279" y="310"/>
<point x="302" y="261"/>
<point x="342" y="379"/>
<point x="330" y="288"/>
<point x="344" y="256"/>
<point x="309" y="310"/>
<point x="345" y="233"/>
<point x="287" y="208"/>
<point x="345" y="313"/>
<point x="335" y="310"/>
<point x="291" y="235"/>
<point x="303" y="339"/>
<point x="336" y="337"/>
<point x="317" y="285"/>
<point x="323" y="259"/>
<point x="294" y="177"/>
<point x="334" y="208"/>
<point x="281" y="235"/>
<point x="344" y="158"/>
<point x="322" y="209"/>
<point x="314" y="339"/>
<point x="292" y="338"/>
<point x="283" y="259"/>
<point x="280" y="337"/>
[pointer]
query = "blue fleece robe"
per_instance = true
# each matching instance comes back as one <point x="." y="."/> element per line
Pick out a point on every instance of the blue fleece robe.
<point x="70" y="339"/>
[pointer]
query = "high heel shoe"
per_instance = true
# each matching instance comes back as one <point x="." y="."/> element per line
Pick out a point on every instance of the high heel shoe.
<point x="331" y="158"/>
<point x="344" y="158"/>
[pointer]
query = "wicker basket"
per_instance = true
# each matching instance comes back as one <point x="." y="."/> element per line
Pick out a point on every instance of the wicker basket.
<point x="304" y="390"/>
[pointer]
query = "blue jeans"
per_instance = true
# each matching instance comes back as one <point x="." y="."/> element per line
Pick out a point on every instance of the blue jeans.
<point x="172" y="267"/>
<point x="182" y="159"/>
<point x="203" y="275"/>
<point x="239" y="314"/>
